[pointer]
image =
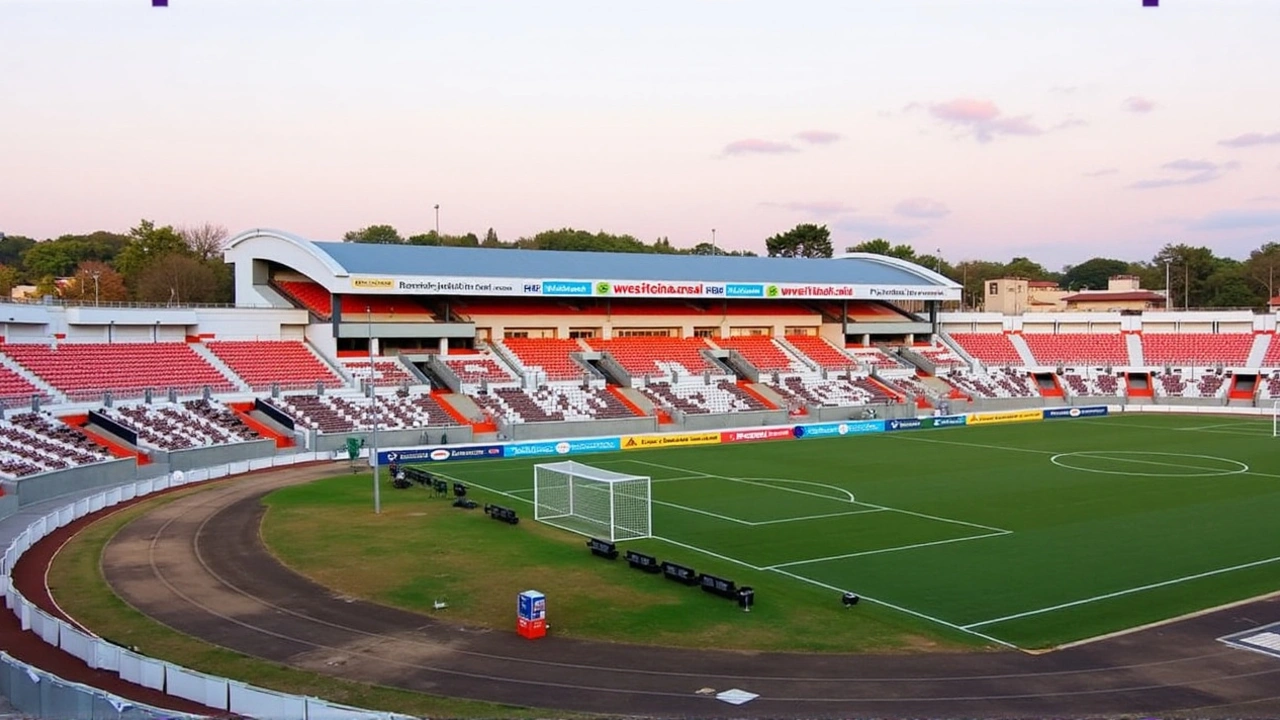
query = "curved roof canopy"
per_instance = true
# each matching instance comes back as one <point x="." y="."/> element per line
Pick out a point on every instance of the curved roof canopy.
<point x="366" y="268"/>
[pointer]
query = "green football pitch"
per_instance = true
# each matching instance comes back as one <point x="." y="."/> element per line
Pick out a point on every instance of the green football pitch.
<point x="1029" y="535"/>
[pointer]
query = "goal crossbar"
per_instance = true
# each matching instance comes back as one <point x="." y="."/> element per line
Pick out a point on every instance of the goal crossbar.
<point x="592" y="501"/>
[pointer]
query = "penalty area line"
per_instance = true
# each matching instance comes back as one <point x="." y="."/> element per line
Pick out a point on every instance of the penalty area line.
<point x="889" y="550"/>
<point x="1121" y="593"/>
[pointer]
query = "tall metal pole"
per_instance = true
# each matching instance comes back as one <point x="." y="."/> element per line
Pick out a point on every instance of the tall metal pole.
<point x="714" y="249"/>
<point x="437" y="219"/>
<point x="1168" y="295"/>
<point x="373" y="400"/>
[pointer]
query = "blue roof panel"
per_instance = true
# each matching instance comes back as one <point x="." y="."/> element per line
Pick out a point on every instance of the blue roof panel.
<point x="403" y="260"/>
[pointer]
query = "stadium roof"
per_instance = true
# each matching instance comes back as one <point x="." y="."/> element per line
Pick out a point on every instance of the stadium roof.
<point x="432" y="269"/>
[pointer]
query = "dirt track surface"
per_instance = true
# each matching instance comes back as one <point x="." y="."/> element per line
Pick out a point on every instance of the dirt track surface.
<point x="199" y="566"/>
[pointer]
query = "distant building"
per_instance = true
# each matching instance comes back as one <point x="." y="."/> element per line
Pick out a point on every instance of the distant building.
<point x="1016" y="296"/>
<point x="1124" y="292"/>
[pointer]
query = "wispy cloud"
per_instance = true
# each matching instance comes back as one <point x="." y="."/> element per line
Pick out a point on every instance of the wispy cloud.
<point x="1064" y="89"/>
<point x="820" y="208"/>
<point x="818" y="137"/>
<point x="1137" y="104"/>
<point x="1101" y="172"/>
<point x="1237" y="219"/>
<point x="1186" y="172"/>
<point x="1265" y="199"/>
<point x="756" y="146"/>
<point x="868" y="228"/>
<point x="1251" y="139"/>
<point x="983" y="119"/>
<point x="920" y="207"/>
<point x="1070" y="122"/>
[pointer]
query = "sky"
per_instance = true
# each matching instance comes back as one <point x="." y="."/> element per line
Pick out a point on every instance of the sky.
<point x="987" y="129"/>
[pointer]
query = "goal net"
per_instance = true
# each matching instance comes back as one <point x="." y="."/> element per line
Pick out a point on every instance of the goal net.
<point x="590" y="501"/>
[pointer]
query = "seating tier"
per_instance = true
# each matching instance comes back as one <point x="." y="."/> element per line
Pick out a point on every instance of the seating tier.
<point x="1088" y="348"/>
<point x="821" y="352"/>
<point x="262" y="363"/>
<point x="1231" y="349"/>
<point x="763" y="353"/>
<point x="989" y="348"/>
<point x="81" y="369"/>
<point x="642" y="356"/>
<point x="550" y="355"/>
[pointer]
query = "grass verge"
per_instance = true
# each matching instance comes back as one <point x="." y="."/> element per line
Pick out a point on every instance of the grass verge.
<point x="76" y="581"/>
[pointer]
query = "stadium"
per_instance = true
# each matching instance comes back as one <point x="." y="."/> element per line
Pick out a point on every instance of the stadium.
<point x="867" y="503"/>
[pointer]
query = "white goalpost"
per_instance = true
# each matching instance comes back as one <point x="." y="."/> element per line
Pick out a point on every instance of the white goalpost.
<point x="592" y="501"/>
<point x="1275" y="419"/>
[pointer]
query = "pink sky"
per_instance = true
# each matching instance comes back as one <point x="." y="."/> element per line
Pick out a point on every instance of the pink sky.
<point x="1057" y="129"/>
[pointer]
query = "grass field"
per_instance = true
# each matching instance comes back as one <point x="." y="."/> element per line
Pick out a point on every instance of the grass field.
<point x="1030" y="535"/>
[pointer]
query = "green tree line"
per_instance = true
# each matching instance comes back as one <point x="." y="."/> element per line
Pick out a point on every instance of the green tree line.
<point x="148" y="263"/>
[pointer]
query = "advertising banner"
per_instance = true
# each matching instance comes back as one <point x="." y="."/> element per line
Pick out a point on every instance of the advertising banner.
<point x="1075" y="412"/>
<point x="950" y="420"/>
<point x="907" y="424"/>
<point x="455" y="285"/>
<point x="737" y="436"/>
<point x="1010" y="416"/>
<point x="638" y="442"/>
<point x="562" y="447"/>
<point x="821" y="430"/>
<point x="440" y="454"/>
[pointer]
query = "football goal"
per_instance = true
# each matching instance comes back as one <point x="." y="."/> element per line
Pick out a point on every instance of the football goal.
<point x="591" y="501"/>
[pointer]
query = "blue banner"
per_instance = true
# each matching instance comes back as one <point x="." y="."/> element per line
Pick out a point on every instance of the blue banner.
<point x="1075" y="412"/>
<point x="562" y="447"/>
<point x="854" y="427"/>
<point x="743" y="290"/>
<point x="905" y="424"/>
<point x="440" y="454"/>
<point x="566" y="287"/>
<point x="950" y="420"/>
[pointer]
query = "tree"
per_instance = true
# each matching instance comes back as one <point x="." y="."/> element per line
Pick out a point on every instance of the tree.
<point x="491" y="239"/>
<point x="1263" y="268"/>
<point x="52" y="259"/>
<point x="1021" y="267"/>
<point x="8" y="279"/>
<point x="880" y="246"/>
<point x="1189" y="271"/>
<point x="146" y="244"/>
<point x="376" y="235"/>
<point x="1229" y="288"/>
<point x="205" y="240"/>
<point x="177" y="278"/>
<point x="805" y="240"/>
<point x="1093" y="273"/>
<point x="95" y="281"/>
<point x="12" y="248"/>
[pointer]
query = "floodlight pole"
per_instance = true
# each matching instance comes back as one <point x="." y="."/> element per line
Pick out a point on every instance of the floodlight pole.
<point x="437" y="219"/>
<point x="373" y="401"/>
<point x="714" y="249"/>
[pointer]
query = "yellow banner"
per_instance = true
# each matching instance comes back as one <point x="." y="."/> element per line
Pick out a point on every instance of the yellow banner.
<point x="1012" y="416"/>
<point x="639" y="442"/>
<point x="373" y="283"/>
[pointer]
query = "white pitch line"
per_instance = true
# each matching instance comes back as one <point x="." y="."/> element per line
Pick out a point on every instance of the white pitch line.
<point x="708" y="513"/>
<point x="704" y="551"/>
<point x="1130" y="591"/>
<point x="905" y="436"/>
<point x="760" y="484"/>
<point x="888" y="550"/>
<point x="900" y="609"/>
<point x="817" y="517"/>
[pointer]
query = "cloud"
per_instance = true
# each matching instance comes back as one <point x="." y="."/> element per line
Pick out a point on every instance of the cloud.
<point x="821" y="208"/>
<point x="1100" y="173"/>
<point x="983" y="119"/>
<point x="755" y="146"/>
<point x="1265" y="199"/>
<point x="1064" y="89"/>
<point x="1251" y="139"/>
<point x="1069" y="123"/>
<point x="818" y="137"/>
<point x="1186" y="172"/>
<point x="920" y="207"/>
<point x="1237" y="220"/>
<point x="1137" y="104"/>
<point x="866" y="228"/>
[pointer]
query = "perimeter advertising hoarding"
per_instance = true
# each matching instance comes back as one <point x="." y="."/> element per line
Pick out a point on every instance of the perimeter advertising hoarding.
<point x="737" y="436"/>
<point x="853" y="427"/>
<point x="1010" y="416"/>
<point x="639" y="442"/>
<point x="542" y="287"/>
<point x="1075" y="412"/>
<point x="562" y="447"/>
<point x="440" y="454"/>
<point x="924" y="422"/>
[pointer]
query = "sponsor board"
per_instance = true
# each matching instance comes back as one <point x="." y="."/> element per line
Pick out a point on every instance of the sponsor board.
<point x="1075" y="412"/>
<point x="853" y="427"/>
<point x="564" y="287"/>
<point x="440" y="454"/>
<point x="907" y="424"/>
<point x="1011" y="416"/>
<point x="457" y="285"/>
<point x="638" y="442"/>
<point x="373" y="283"/>
<point x="950" y="420"/>
<point x="562" y="447"/>
<point x="737" y="436"/>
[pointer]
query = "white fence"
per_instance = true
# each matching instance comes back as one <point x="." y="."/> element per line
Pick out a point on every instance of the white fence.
<point x="37" y="693"/>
